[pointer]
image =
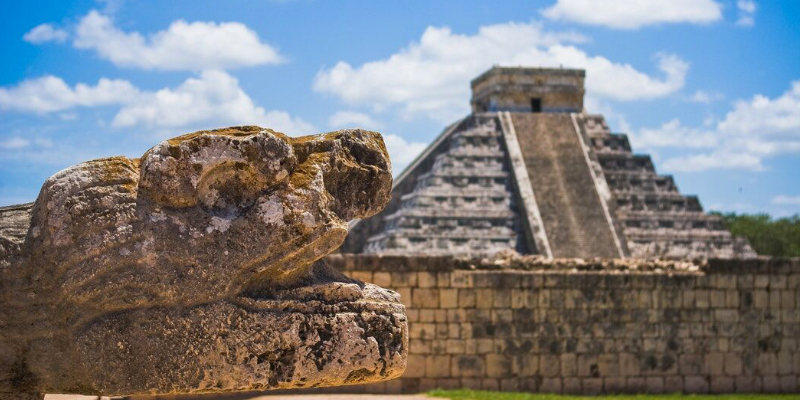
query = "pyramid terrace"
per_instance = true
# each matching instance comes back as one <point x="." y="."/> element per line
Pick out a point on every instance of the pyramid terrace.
<point x="530" y="170"/>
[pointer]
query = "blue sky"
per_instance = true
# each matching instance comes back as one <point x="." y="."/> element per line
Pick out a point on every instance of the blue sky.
<point x="709" y="88"/>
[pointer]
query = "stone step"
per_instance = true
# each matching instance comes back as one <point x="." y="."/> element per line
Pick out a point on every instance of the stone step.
<point x="566" y="193"/>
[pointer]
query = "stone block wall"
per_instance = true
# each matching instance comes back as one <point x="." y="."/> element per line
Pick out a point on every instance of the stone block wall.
<point x="732" y="326"/>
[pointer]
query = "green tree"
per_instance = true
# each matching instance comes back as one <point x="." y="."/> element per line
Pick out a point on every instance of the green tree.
<point x="769" y="237"/>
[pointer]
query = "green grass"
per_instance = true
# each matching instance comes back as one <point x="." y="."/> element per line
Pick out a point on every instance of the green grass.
<point x="465" y="394"/>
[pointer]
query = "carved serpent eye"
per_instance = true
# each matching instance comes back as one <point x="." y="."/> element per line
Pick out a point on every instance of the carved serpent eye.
<point x="222" y="171"/>
<point x="230" y="188"/>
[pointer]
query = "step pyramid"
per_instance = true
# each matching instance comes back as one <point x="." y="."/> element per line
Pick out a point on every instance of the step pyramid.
<point x="529" y="170"/>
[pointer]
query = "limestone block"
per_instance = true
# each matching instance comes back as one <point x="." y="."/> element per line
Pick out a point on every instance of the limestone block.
<point x="785" y="362"/>
<point x="571" y="386"/>
<point x="454" y="346"/>
<point x="717" y="298"/>
<point x="196" y="268"/>
<point x="549" y="366"/>
<point x="655" y="384"/>
<point x="448" y="298"/>
<point x="502" y="298"/>
<point x="382" y="279"/>
<point x="437" y="366"/>
<point x="456" y="315"/>
<point x="426" y="279"/>
<point x="425" y="298"/>
<point x="509" y="385"/>
<point x="492" y="385"/>
<point x="733" y="364"/>
<point x="518" y="298"/>
<point x="461" y="279"/>
<point x="466" y="298"/>
<point x="416" y="365"/>
<point x="721" y="384"/>
<point x="673" y="384"/>
<point x="405" y="296"/>
<point x="767" y="364"/>
<point x="587" y="365"/>
<point x="732" y="299"/>
<point x="440" y="316"/>
<point x="715" y="363"/>
<point x="788" y="299"/>
<point x="443" y="279"/>
<point x="745" y="281"/>
<point x="550" y="385"/>
<point x="526" y="365"/>
<point x="747" y="384"/>
<point x="569" y="365"/>
<point x="696" y="384"/>
<point x="421" y="330"/>
<point x="789" y="384"/>
<point x="771" y="384"/>
<point x="442" y="332"/>
<point x="498" y="366"/>
<point x="468" y="366"/>
<point x="761" y="281"/>
<point x="448" y="383"/>
<point x="774" y="298"/>
<point x="591" y="386"/>
<point x="427" y="315"/>
<point x="629" y="364"/>
<point x="636" y="385"/>
<point x="484" y="298"/>
<point x="419" y="346"/>
<point x="403" y="279"/>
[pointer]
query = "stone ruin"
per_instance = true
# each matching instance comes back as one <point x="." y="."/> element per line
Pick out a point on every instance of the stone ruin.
<point x="197" y="268"/>
<point x="529" y="170"/>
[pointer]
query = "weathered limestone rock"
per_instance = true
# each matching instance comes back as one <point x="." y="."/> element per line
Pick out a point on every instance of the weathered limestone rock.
<point x="196" y="269"/>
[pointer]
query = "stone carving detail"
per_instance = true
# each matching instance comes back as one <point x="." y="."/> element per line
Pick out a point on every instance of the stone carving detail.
<point x="197" y="269"/>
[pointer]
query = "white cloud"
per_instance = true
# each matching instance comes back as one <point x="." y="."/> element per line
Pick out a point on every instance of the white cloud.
<point x="746" y="20"/>
<point x="402" y="152"/>
<point x="747" y="6"/>
<point x="353" y="119"/>
<point x="701" y="96"/>
<point x="50" y="93"/>
<point x="45" y="33"/>
<point x="633" y="14"/>
<point x="747" y="11"/>
<point x="182" y="46"/>
<point x="752" y="131"/>
<point x="214" y="97"/>
<point x="673" y="134"/>
<point x="713" y="160"/>
<point x="429" y="77"/>
<point x="784" y="200"/>
<point x="14" y="143"/>
<point x="764" y="116"/>
<point x="18" y="143"/>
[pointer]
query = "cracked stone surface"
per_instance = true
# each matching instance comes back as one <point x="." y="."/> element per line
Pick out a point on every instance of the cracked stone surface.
<point x="196" y="268"/>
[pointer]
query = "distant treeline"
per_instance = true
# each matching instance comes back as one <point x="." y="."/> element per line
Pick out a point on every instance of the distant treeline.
<point x="769" y="237"/>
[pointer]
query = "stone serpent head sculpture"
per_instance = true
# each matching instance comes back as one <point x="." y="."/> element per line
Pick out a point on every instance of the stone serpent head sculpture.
<point x="196" y="268"/>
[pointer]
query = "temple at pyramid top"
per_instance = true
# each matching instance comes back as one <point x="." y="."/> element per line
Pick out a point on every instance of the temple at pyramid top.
<point x="528" y="90"/>
<point x="529" y="170"/>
